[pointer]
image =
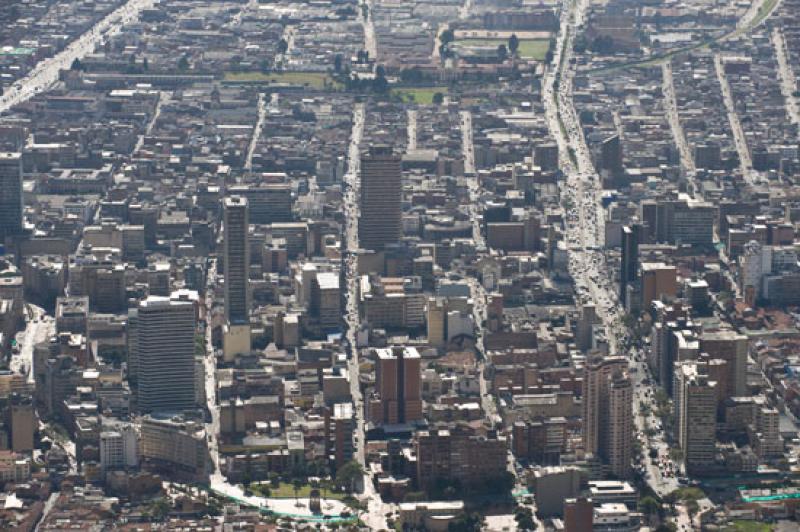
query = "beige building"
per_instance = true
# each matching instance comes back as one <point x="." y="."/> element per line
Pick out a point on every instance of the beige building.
<point x="696" y="416"/>
<point x="608" y="413"/>
<point x="174" y="443"/>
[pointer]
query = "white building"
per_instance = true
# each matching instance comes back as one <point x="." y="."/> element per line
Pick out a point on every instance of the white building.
<point x="119" y="448"/>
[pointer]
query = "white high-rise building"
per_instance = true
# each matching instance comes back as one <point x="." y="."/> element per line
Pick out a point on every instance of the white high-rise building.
<point x="165" y="332"/>
<point x="119" y="448"/>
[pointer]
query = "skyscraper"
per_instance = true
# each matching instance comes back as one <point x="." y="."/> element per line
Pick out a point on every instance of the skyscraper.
<point x="608" y="413"/>
<point x="397" y="383"/>
<point x="381" y="191"/>
<point x="630" y="259"/>
<point x="237" y="261"/>
<point x="165" y="336"/>
<point x="10" y="194"/>
<point x="696" y="416"/>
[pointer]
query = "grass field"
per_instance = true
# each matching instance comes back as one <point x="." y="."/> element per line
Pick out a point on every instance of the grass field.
<point x="286" y="491"/>
<point x="421" y="95"/>
<point x="528" y="48"/>
<point x="748" y="526"/>
<point x="316" y="80"/>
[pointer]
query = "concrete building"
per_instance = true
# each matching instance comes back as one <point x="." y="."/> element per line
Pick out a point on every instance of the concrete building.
<point x="629" y="266"/>
<point x="381" y="195"/>
<point x="10" y="194"/>
<point x="341" y="428"/>
<point x="553" y="485"/>
<point x="237" y="261"/>
<point x="578" y="514"/>
<point x="119" y="448"/>
<point x="14" y="467"/>
<point x="326" y="299"/>
<point x="165" y="342"/>
<point x="696" y="416"/>
<point x="174" y="443"/>
<point x="731" y="347"/>
<point x="608" y="413"/>
<point x="23" y="423"/>
<point x="658" y="281"/>
<point x="458" y="453"/>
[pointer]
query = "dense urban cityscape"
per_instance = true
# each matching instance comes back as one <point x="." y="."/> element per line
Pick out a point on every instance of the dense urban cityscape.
<point x="447" y="265"/>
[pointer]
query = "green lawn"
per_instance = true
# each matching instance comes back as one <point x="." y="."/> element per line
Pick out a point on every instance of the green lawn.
<point x="528" y="48"/>
<point x="685" y="494"/>
<point x="315" y="80"/>
<point x="286" y="491"/>
<point x="421" y="95"/>
<point x="748" y="526"/>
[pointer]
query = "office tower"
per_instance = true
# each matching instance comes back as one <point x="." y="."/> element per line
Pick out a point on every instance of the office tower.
<point x="340" y="440"/>
<point x="326" y="299"/>
<point x="584" y="333"/>
<point x="630" y="259"/>
<point x="10" y="194"/>
<point x="659" y="281"/>
<point x="397" y="383"/>
<point x="695" y="416"/>
<point x="611" y="155"/>
<point x="731" y="347"/>
<point x="237" y="261"/>
<point x="165" y="333"/>
<point x="381" y="195"/>
<point x="608" y="413"/>
<point x="23" y="423"/>
<point x="268" y="203"/>
<point x="545" y="156"/>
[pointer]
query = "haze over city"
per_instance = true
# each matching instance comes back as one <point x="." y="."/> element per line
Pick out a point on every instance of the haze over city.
<point x="447" y="265"/>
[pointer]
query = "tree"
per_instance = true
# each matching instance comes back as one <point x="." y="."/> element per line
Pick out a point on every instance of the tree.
<point x="447" y="36"/>
<point x="649" y="506"/>
<point x="145" y="64"/>
<point x="296" y="485"/>
<point x="348" y="474"/>
<point x="282" y="46"/>
<point x="524" y="518"/>
<point x="513" y="44"/>
<point x="337" y="63"/>
<point x="438" y="98"/>
<point x="183" y="63"/>
<point x="466" y="522"/>
<point x="502" y="53"/>
<point x="692" y="507"/>
<point x="76" y="65"/>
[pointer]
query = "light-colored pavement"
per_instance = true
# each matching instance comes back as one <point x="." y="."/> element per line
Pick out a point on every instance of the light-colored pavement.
<point x="739" y="138"/>
<point x="370" y="40"/>
<point x="786" y="75"/>
<point x="46" y="72"/>
<point x="411" y="128"/>
<point x="671" y="110"/>
<point x="153" y="119"/>
<point x="259" y="126"/>
<point x="38" y="328"/>
<point x="467" y="144"/>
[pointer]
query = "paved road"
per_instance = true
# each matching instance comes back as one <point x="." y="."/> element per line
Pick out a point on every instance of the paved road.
<point x="38" y="327"/>
<point x="262" y="114"/>
<point x="585" y="215"/>
<point x="739" y="138"/>
<point x="786" y="75"/>
<point x="671" y="111"/>
<point x="411" y="128"/>
<point x="370" y="41"/>
<point x="467" y="144"/>
<point x="46" y="72"/>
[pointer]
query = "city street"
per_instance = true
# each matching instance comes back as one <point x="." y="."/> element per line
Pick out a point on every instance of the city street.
<point x="46" y="72"/>
<point x="38" y="328"/>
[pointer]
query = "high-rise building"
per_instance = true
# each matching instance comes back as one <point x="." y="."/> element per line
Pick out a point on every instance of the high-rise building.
<point x="731" y="347"/>
<point x="119" y="448"/>
<point x="578" y="514"/>
<point x="10" y="194"/>
<point x="397" y="385"/>
<point x="237" y="261"/>
<point x="381" y="196"/>
<point x="608" y="413"/>
<point x="630" y="258"/>
<point x="696" y="416"/>
<point x="23" y="423"/>
<point x="165" y="335"/>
